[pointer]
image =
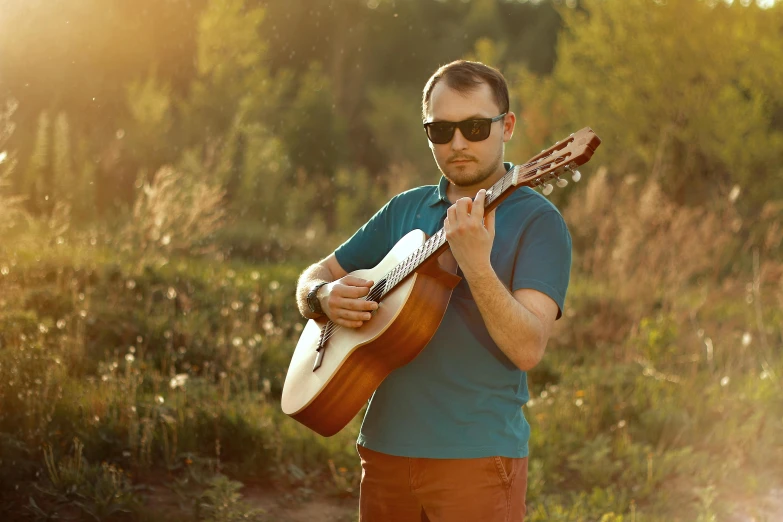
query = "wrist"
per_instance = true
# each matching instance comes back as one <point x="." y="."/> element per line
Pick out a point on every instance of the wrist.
<point x="479" y="273"/>
<point x="313" y="299"/>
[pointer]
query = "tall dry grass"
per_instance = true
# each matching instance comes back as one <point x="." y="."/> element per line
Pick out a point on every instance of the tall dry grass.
<point x="173" y="214"/>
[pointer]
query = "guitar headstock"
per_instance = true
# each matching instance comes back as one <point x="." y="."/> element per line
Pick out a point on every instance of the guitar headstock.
<point x="556" y="161"/>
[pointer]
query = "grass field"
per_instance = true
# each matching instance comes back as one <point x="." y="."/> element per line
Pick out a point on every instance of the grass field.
<point x="151" y="392"/>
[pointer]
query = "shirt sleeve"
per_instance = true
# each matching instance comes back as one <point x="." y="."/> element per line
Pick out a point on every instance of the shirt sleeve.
<point x="368" y="246"/>
<point x="543" y="259"/>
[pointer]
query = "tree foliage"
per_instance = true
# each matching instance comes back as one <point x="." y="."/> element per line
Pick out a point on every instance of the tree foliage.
<point x="291" y="106"/>
<point x="685" y="91"/>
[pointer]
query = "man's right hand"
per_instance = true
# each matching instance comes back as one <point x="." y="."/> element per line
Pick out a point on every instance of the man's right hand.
<point x="343" y="301"/>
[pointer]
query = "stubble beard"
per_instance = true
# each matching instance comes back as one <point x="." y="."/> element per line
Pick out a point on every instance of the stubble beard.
<point x="456" y="176"/>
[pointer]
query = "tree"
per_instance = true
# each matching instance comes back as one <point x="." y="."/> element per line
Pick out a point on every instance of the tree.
<point x="683" y="91"/>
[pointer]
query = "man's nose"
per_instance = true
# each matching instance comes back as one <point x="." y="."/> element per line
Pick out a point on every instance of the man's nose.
<point x="458" y="142"/>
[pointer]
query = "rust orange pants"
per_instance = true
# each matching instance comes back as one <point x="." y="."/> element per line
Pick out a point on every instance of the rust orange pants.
<point x="403" y="489"/>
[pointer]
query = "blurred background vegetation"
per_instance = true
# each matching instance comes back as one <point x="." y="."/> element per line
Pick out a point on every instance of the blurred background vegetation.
<point x="168" y="168"/>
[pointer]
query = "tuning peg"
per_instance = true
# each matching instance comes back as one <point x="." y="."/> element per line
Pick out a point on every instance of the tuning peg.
<point x="561" y="182"/>
<point x="575" y="174"/>
<point x="548" y="188"/>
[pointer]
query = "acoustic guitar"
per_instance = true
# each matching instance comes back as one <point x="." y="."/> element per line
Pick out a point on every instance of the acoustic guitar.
<point x="334" y="370"/>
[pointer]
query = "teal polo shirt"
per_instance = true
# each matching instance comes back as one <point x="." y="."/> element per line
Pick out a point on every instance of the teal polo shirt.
<point x="461" y="397"/>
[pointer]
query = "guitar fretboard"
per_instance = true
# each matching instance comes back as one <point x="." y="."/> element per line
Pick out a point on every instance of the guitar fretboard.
<point x="436" y="244"/>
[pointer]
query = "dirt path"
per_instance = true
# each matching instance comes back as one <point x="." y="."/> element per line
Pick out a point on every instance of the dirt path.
<point x="278" y="506"/>
<point x="316" y="508"/>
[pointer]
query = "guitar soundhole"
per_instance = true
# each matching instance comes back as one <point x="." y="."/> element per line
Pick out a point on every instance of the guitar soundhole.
<point x="377" y="291"/>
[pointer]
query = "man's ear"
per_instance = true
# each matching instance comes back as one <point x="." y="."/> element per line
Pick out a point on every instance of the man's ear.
<point x="509" y="122"/>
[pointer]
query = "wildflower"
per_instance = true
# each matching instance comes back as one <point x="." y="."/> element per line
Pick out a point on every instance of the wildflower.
<point x="172" y="293"/>
<point x="746" y="339"/>
<point x="254" y="275"/>
<point x="274" y="285"/>
<point x="178" y="381"/>
<point x="580" y="393"/>
<point x="579" y="403"/>
<point x="129" y="357"/>
<point x="724" y="381"/>
<point x="734" y="194"/>
<point x="159" y="399"/>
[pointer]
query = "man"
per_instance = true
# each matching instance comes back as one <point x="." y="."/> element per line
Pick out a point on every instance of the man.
<point x="444" y="438"/>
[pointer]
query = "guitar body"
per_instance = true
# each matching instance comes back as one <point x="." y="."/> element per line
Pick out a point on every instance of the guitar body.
<point x="357" y="360"/>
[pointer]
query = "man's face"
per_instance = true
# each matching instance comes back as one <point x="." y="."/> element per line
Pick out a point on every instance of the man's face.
<point x="468" y="163"/>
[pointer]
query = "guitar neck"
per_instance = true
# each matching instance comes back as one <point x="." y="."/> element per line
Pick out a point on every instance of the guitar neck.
<point x="542" y="169"/>
<point x="437" y="244"/>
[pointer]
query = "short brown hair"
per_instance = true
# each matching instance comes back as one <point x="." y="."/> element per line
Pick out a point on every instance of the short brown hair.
<point x="464" y="76"/>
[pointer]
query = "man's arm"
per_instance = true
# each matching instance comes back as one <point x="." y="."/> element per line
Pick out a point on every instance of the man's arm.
<point x="341" y="299"/>
<point x="520" y="324"/>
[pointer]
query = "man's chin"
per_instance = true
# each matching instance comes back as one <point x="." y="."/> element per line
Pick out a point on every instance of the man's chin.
<point x="466" y="176"/>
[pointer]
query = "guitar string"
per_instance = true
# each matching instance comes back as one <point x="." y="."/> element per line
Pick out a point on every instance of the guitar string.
<point x="378" y="291"/>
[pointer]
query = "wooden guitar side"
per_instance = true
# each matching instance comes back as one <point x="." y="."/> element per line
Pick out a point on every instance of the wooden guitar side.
<point x="357" y="360"/>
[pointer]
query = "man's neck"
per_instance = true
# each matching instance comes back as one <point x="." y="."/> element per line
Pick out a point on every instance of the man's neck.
<point x="453" y="192"/>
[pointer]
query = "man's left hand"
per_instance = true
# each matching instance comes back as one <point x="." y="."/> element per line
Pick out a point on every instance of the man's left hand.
<point x="470" y="234"/>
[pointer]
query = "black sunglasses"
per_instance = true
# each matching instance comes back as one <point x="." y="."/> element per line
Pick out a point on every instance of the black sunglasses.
<point x="440" y="132"/>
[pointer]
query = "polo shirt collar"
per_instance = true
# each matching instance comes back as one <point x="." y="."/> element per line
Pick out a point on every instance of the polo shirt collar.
<point x="440" y="194"/>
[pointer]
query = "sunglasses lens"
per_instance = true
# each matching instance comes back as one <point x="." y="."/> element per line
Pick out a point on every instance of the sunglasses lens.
<point x="475" y="130"/>
<point x="440" y="133"/>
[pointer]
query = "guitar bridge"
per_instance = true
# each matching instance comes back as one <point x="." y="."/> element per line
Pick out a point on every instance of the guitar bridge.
<point x="321" y="347"/>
